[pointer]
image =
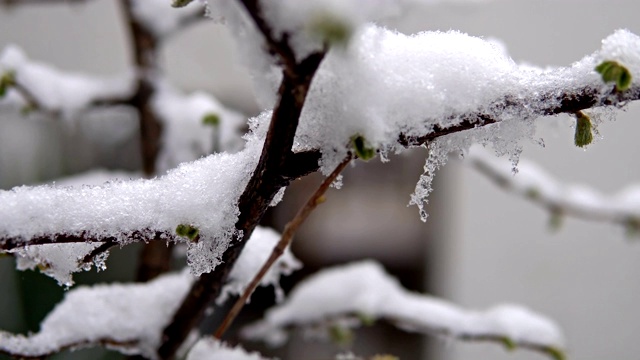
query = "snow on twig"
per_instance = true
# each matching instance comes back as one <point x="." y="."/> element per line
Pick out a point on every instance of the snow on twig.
<point x="536" y="185"/>
<point x="365" y="290"/>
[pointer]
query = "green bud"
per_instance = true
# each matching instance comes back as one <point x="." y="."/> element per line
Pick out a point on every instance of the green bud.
<point x="363" y="150"/>
<point x="212" y="119"/>
<point x="180" y="3"/>
<point x="340" y="335"/>
<point x="331" y="29"/>
<point x="188" y="231"/>
<point x="632" y="227"/>
<point x="612" y="71"/>
<point x="365" y="319"/>
<point x="7" y="80"/>
<point x="555" y="221"/>
<point x="584" y="134"/>
<point x="556" y="354"/>
<point x="385" y="357"/>
<point x="508" y="343"/>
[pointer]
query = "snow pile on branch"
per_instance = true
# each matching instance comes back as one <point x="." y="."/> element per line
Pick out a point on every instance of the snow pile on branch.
<point x="213" y="349"/>
<point x="129" y="318"/>
<point x="202" y="195"/>
<point x="253" y="256"/>
<point x="533" y="182"/>
<point x="193" y="126"/>
<point x="162" y="18"/>
<point x="364" y="289"/>
<point x="55" y="90"/>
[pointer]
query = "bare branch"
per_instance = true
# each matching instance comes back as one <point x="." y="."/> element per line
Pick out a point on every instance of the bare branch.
<point x="287" y="236"/>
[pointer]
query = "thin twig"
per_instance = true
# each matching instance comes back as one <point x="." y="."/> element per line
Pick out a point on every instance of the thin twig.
<point x="287" y="236"/>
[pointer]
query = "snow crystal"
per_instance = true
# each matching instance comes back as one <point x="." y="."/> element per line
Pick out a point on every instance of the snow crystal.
<point x="161" y="17"/>
<point x="202" y="194"/>
<point x="212" y="349"/>
<point x="185" y="136"/>
<point x="253" y="256"/>
<point x="63" y="91"/>
<point x="364" y="288"/>
<point x="131" y="313"/>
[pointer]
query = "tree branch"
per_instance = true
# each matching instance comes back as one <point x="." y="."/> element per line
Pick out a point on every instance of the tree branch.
<point x="266" y="181"/>
<point x="287" y="236"/>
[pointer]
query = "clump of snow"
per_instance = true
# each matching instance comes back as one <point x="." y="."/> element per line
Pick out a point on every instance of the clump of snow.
<point x="364" y="288"/>
<point x="162" y="18"/>
<point x="127" y="317"/>
<point x="202" y="194"/>
<point x="59" y="260"/>
<point x="253" y="256"/>
<point x="185" y="136"/>
<point x="56" y="90"/>
<point x="212" y="349"/>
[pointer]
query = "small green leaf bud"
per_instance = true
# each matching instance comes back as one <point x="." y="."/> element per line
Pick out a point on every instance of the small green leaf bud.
<point x="340" y="335"/>
<point x="7" y="80"/>
<point x="508" y="343"/>
<point x="331" y="29"/>
<point x="612" y="71"/>
<point x="584" y="134"/>
<point x="556" y="354"/>
<point x="362" y="148"/>
<point x="212" y="119"/>
<point x="188" y="231"/>
<point x="555" y="221"/>
<point x="180" y="3"/>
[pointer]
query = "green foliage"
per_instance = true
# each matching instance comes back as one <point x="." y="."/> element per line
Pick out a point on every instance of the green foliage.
<point x="331" y="29"/>
<point x="180" y="3"/>
<point x="584" y="131"/>
<point x="212" y="119"/>
<point x="341" y="335"/>
<point x="556" y="354"/>
<point x="365" y="319"/>
<point x="362" y="147"/>
<point x="612" y="71"/>
<point x="188" y="231"/>
<point x="7" y="80"/>
<point x="508" y="343"/>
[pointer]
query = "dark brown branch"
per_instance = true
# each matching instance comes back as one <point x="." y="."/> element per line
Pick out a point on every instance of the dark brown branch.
<point x="287" y="236"/>
<point x="265" y="181"/>
<point x="105" y="247"/>
<point x="11" y="243"/>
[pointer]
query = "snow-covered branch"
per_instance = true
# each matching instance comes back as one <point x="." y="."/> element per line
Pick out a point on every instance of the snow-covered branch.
<point x="536" y="185"/>
<point x="365" y="291"/>
<point x="38" y="86"/>
<point x="131" y="317"/>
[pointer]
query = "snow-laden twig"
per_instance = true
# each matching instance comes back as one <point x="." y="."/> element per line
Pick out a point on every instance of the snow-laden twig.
<point x="131" y="317"/>
<point x="536" y="185"/>
<point x="287" y="236"/>
<point x="45" y="88"/>
<point x="365" y="291"/>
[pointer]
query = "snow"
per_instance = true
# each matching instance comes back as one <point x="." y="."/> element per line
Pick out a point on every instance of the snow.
<point x="365" y="289"/>
<point x="203" y="194"/>
<point x="213" y="349"/>
<point x="163" y="19"/>
<point x="56" y="90"/>
<point x="535" y="183"/>
<point x="185" y="137"/>
<point x="254" y="255"/>
<point x="129" y="313"/>
<point x="137" y="313"/>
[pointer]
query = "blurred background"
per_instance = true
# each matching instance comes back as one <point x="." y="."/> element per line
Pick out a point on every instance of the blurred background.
<point x="480" y="247"/>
